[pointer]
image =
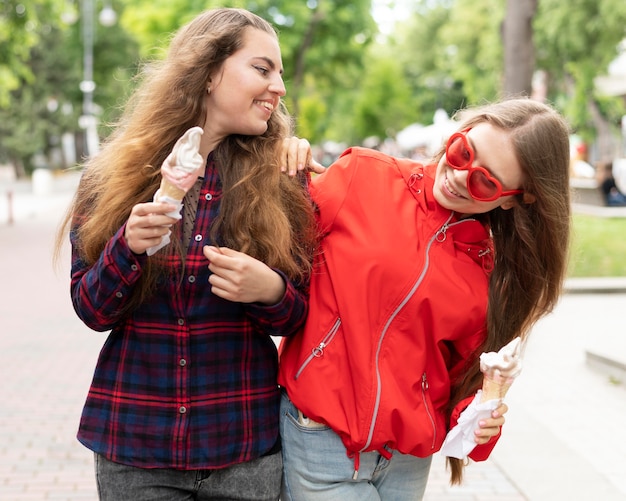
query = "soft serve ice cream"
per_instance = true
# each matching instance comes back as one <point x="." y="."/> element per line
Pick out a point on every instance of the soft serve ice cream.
<point x="181" y="169"/>
<point x="179" y="173"/>
<point x="500" y="370"/>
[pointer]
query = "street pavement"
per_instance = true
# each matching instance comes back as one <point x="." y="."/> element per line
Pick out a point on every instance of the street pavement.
<point x="563" y="440"/>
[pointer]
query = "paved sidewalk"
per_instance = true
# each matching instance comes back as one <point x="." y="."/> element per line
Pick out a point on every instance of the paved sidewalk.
<point x="563" y="440"/>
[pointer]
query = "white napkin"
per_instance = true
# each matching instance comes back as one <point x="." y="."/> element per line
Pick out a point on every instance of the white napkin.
<point x="459" y="441"/>
<point x="175" y="213"/>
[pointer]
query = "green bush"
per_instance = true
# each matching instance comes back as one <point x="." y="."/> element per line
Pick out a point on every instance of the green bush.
<point x="598" y="247"/>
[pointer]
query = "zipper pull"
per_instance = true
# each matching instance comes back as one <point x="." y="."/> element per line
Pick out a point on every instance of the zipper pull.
<point x="440" y="236"/>
<point x="424" y="382"/>
<point x="318" y="351"/>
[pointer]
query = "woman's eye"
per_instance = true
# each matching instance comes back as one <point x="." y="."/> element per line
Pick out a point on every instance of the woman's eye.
<point x="262" y="70"/>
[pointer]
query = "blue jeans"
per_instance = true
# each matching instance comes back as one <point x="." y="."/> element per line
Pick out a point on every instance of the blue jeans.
<point x="257" y="480"/>
<point x="317" y="468"/>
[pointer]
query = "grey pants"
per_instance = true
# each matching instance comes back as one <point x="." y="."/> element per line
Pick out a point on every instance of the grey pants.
<point x="258" y="480"/>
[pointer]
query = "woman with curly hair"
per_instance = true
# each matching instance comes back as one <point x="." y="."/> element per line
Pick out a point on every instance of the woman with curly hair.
<point x="184" y="400"/>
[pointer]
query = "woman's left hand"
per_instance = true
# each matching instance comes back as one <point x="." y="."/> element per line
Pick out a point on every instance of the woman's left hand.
<point x="296" y="155"/>
<point x="490" y="427"/>
<point x="236" y="276"/>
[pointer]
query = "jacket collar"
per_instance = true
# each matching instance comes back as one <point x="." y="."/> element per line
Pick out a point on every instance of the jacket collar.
<point x="470" y="236"/>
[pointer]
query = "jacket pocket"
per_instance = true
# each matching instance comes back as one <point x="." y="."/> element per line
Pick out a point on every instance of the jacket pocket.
<point x="318" y="351"/>
<point x="428" y="406"/>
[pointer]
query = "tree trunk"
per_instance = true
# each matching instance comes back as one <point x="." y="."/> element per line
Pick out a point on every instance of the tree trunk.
<point x="299" y="69"/>
<point x="519" y="49"/>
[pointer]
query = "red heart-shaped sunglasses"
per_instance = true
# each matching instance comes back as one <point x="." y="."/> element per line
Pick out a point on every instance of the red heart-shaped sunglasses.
<point x="481" y="185"/>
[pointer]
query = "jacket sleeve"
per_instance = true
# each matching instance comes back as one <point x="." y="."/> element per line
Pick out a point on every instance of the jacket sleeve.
<point x="100" y="292"/>
<point x="329" y="190"/>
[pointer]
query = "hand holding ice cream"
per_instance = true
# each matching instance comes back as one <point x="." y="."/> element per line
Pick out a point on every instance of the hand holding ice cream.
<point x="500" y="370"/>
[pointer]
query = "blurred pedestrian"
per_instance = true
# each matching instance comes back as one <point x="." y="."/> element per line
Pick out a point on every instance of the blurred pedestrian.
<point x="613" y="197"/>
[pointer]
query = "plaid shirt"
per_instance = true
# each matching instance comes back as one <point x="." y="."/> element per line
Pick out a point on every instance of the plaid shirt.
<point x="187" y="380"/>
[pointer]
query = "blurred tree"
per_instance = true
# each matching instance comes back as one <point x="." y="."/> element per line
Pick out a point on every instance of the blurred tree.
<point x="20" y="27"/>
<point x="519" y="50"/>
<point x="47" y="101"/>
<point x="41" y="108"/>
<point x="472" y="51"/>
<point x="420" y="46"/>
<point x="322" y="41"/>
<point x="383" y="106"/>
<point x="448" y="54"/>
<point x="575" y="42"/>
<point x="473" y="48"/>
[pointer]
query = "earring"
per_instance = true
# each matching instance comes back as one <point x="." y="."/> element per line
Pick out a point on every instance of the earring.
<point x="208" y="90"/>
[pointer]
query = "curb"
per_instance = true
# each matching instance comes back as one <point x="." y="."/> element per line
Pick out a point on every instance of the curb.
<point x="589" y="285"/>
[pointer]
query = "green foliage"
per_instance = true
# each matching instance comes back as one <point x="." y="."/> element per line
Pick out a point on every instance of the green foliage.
<point x="575" y="42"/>
<point x="344" y="82"/>
<point x="47" y="100"/>
<point x="323" y="45"/>
<point x="473" y="50"/>
<point x="598" y="247"/>
<point x="17" y="35"/>
<point x="383" y="107"/>
<point x="37" y="117"/>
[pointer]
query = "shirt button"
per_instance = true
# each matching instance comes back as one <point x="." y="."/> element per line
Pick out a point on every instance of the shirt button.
<point x="134" y="267"/>
<point x="181" y="321"/>
<point x="182" y="409"/>
<point x="208" y="196"/>
<point x="198" y="238"/>
<point x="118" y="294"/>
<point x="182" y="362"/>
<point x="191" y="279"/>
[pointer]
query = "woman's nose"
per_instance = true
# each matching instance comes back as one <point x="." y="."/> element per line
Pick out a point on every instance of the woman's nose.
<point x="278" y="86"/>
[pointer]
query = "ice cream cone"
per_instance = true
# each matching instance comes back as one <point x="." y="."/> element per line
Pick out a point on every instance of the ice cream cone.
<point x="500" y="370"/>
<point x="495" y="389"/>
<point x="170" y="190"/>
<point x="181" y="169"/>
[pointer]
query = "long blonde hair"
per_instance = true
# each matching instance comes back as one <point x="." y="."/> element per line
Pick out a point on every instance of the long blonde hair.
<point x="263" y="212"/>
<point x="531" y="240"/>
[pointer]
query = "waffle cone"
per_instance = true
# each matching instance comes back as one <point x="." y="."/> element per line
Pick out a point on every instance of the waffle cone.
<point x="167" y="189"/>
<point x="493" y="389"/>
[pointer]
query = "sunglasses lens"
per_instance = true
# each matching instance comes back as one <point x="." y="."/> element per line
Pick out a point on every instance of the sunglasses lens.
<point x="457" y="154"/>
<point x="480" y="186"/>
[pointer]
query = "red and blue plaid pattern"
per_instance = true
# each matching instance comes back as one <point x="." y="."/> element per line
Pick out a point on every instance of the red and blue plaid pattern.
<point x="187" y="380"/>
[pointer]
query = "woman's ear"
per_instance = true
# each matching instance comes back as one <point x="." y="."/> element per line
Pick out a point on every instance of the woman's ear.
<point x="527" y="199"/>
<point x="509" y="204"/>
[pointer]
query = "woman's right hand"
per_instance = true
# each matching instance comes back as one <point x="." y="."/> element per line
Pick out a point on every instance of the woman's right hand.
<point x="147" y="224"/>
<point x="296" y="155"/>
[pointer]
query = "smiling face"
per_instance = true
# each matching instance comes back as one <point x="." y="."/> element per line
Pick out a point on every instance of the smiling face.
<point x="493" y="151"/>
<point x="246" y="89"/>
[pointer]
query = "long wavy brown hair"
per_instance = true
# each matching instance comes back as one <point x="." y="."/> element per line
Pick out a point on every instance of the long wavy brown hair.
<point x="531" y="239"/>
<point x="263" y="213"/>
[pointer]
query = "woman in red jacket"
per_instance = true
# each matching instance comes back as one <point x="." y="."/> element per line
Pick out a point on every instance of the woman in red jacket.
<point x="421" y="268"/>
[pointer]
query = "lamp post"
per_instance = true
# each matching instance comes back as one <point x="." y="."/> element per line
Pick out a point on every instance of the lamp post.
<point x="88" y="120"/>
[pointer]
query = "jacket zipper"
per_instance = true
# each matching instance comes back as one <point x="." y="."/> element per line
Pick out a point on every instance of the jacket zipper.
<point x="428" y="411"/>
<point x="439" y="236"/>
<point x="318" y="351"/>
